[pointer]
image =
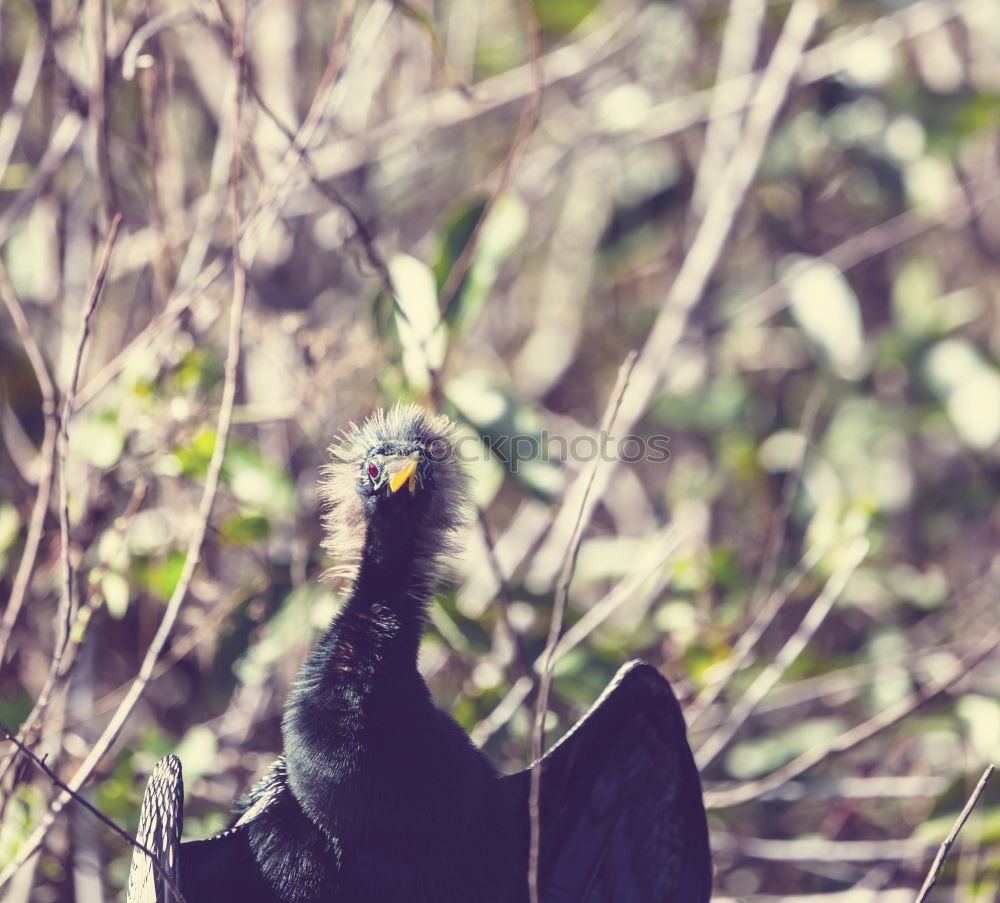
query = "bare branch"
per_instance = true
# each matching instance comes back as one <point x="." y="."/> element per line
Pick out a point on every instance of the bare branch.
<point x="626" y="590"/>
<point x="792" y="649"/>
<point x="503" y="712"/>
<point x="740" y="42"/>
<point x="24" y="88"/>
<point x="525" y="126"/>
<point x="63" y="139"/>
<point x="871" y="242"/>
<point x="97" y="21"/>
<point x="946" y="845"/>
<point x="751" y="790"/>
<point x="67" y="602"/>
<point x="502" y="601"/>
<point x="46" y="459"/>
<point x="254" y="223"/>
<point x="820" y="849"/>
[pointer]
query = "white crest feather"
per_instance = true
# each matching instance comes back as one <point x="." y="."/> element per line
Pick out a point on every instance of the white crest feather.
<point x="344" y="517"/>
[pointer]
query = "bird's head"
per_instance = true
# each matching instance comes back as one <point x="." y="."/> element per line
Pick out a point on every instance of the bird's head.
<point x="396" y="473"/>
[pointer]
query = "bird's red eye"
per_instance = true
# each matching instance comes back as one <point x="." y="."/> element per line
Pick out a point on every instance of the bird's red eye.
<point x="372" y="471"/>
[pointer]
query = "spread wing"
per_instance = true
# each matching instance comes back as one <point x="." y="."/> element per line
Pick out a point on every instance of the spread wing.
<point x="160" y="823"/>
<point x="622" y="817"/>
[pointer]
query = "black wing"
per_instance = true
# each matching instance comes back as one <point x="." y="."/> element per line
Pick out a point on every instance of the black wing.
<point x="272" y="854"/>
<point x="160" y="823"/>
<point x="622" y="817"/>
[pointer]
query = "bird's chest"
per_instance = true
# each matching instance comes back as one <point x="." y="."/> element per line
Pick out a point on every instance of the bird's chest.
<point x="425" y="841"/>
<point x="386" y="781"/>
<point x="410" y="806"/>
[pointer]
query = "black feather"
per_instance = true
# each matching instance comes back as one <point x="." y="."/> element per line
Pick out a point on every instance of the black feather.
<point x="621" y="811"/>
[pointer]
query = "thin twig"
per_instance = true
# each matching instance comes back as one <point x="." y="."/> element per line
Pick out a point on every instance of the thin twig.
<point x="942" y="852"/>
<point x="426" y="23"/>
<point x="64" y="137"/>
<point x="505" y="710"/>
<point x="841" y="684"/>
<point x="502" y="601"/>
<point x="150" y="29"/>
<point x="872" y="242"/>
<point x="749" y="636"/>
<point x="446" y="109"/>
<point x="776" y="533"/>
<point x="740" y="41"/>
<point x="67" y="601"/>
<point x="525" y="127"/>
<point x="97" y="119"/>
<point x="8" y="735"/>
<point x="792" y="649"/>
<point x="271" y="195"/>
<point x="374" y="255"/>
<point x="156" y="329"/>
<point x="555" y="629"/>
<point x="819" y="62"/>
<point x="624" y="591"/>
<point x="46" y="461"/>
<point x="752" y="790"/>
<point x="24" y="88"/>
<point x="773" y="601"/>
<point x="808" y="849"/>
<point x="179" y="648"/>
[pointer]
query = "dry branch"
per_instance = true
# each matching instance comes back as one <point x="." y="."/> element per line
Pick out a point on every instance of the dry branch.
<point x="894" y="714"/>
<point x="946" y="845"/>
<point x="66" y="613"/>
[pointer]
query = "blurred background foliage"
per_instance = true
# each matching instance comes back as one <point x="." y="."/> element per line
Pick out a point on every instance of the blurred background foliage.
<point x="831" y="407"/>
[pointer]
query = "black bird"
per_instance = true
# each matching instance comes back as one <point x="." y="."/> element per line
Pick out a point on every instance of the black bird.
<point x="379" y="797"/>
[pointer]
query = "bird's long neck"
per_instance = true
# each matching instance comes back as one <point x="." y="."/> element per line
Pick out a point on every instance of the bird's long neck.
<point x="375" y="638"/>
<point x="364" y="668"/>
<point x="380" y="625"/>
<point x="361" y="680"/>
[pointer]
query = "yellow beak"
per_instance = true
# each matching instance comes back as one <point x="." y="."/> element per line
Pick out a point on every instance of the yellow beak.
<point x="403" y="472"/>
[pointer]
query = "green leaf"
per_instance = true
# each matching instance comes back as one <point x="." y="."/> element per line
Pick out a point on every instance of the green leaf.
<point x="257" y="482"/>
<point x="10" y="526"/>
<point x="562" y="16"/>
<point x="501" y="234"/>
<point x="827" y="310"/>
<point x="458" y="229"/>
<point x="115" y="591"/>
<point x="762" y="755"/>
<point x="981" y="715"/>
<point x="969" y="387"/>
<point x="245" y="531"/>
<point x="151" y="533"/>
<point x="200" y="369"/>
<point x="418" y="321"/>
<point x="915" y="290"/>
<point x="22" y="811"/>
<point x="98" y="441"/>
<point x="193" y="459"/>
<point x="162" y="577"/>
<point x="512" y="433"/>
<point x="197" y="750"/>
